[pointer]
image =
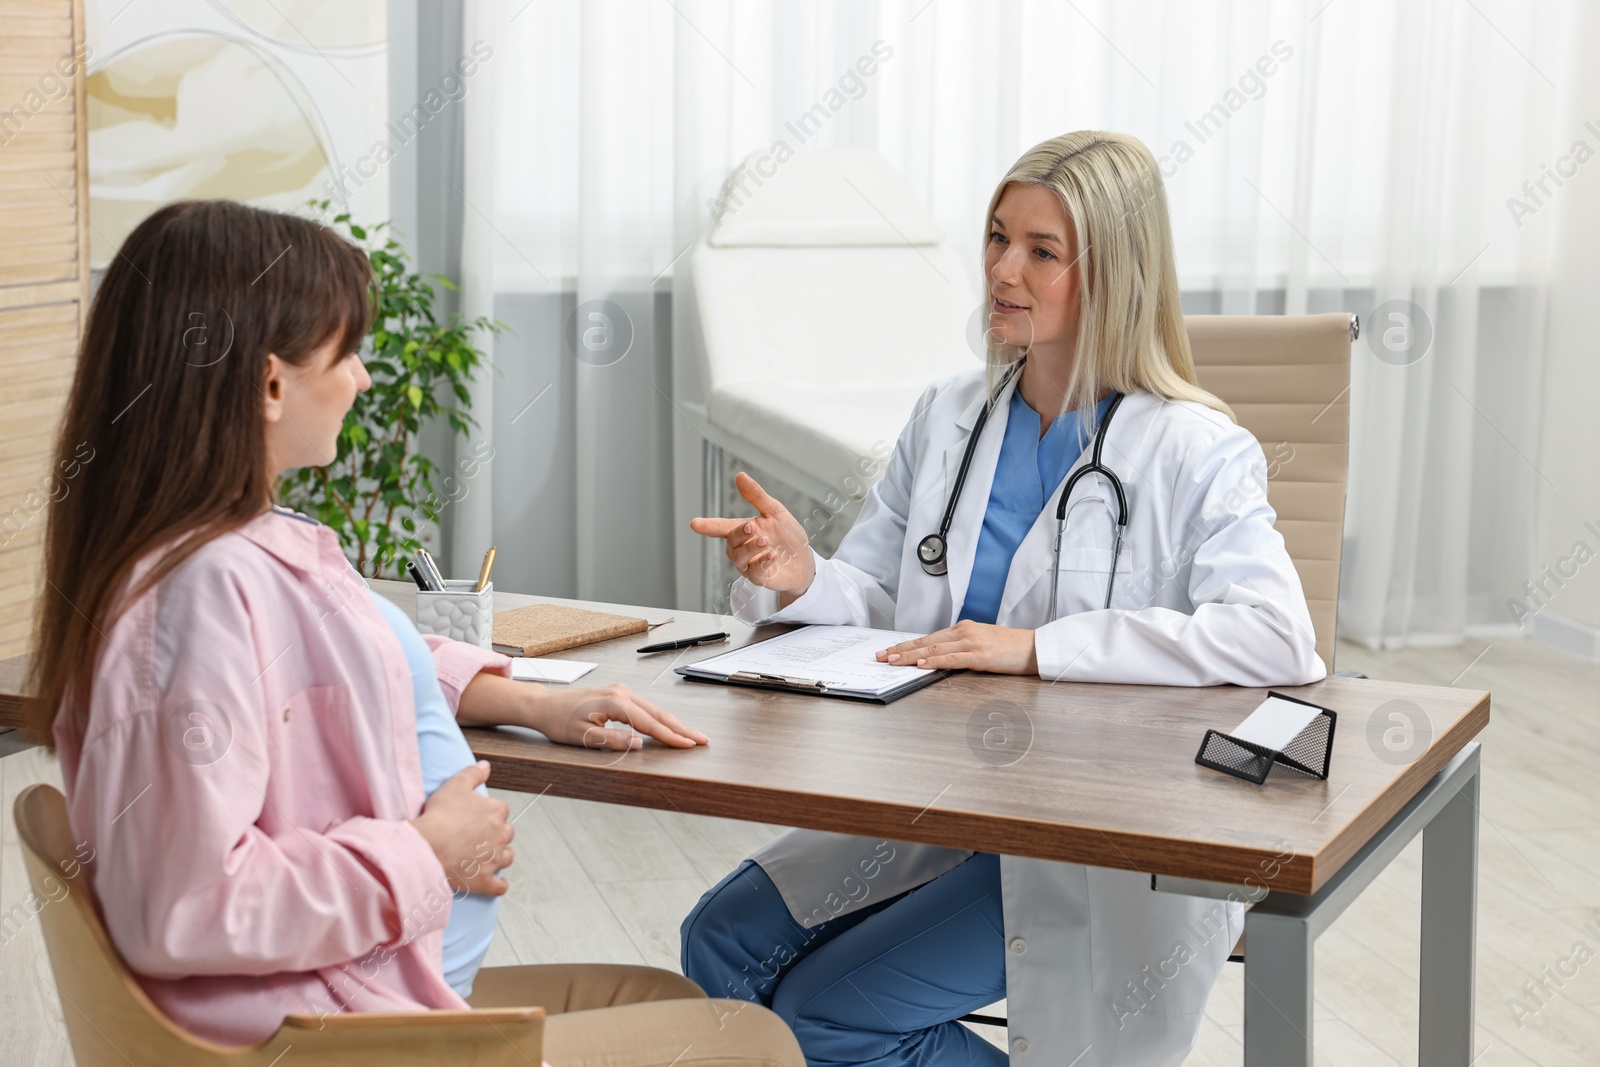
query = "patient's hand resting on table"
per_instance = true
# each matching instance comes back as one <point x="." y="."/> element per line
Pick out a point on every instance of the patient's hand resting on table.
<point x="573" y="716"/>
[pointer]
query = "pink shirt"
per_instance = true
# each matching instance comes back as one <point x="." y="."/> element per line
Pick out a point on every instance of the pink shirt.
<point x="245" y="782"/>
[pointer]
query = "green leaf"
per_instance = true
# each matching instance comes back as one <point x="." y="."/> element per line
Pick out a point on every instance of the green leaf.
<point x="379" y="487"/>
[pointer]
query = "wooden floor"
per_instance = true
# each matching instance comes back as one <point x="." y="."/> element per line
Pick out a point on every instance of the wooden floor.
<point x="596" y="882"/>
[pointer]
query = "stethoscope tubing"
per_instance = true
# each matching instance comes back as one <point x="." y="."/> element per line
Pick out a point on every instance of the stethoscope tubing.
<point x="932" y="550"/>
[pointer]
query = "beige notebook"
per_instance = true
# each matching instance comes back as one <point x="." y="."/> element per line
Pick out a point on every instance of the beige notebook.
<point x="541" y="629"/>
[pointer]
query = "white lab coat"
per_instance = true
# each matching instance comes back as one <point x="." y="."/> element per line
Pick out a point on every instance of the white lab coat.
<point x="1100" y="969"/>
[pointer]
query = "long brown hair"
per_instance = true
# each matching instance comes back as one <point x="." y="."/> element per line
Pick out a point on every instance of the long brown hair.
<point x="167" y="405"/>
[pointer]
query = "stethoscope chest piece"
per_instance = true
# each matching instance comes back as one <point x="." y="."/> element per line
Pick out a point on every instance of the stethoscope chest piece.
<point x="931" y="551"/>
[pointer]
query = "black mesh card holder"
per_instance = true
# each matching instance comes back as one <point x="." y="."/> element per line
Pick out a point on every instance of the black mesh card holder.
<point x="1308" y="753"/>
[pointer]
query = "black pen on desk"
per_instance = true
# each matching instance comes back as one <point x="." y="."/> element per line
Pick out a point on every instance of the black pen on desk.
<point x="686" y="642"/>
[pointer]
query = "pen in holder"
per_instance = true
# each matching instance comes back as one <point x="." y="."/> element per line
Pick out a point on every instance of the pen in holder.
<point x="457" y="612"/>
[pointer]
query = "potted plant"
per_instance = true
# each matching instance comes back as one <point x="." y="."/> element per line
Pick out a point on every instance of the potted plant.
<point x="379" y="490"/>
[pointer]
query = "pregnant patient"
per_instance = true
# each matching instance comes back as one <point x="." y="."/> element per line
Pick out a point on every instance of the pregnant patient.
<point x="265" y="759"/>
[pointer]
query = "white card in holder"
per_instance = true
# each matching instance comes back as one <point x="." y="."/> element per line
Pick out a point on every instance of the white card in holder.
<point x="1282" y="731"/>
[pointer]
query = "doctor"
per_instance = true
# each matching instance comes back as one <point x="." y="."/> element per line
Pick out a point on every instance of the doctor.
<point x="1080" y="509"/>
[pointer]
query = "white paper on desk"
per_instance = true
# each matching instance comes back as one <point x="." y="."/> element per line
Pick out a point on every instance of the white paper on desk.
<point x="1275" y="723"/>
<point x="561" y="671"/>
<point x="839" y="657"/>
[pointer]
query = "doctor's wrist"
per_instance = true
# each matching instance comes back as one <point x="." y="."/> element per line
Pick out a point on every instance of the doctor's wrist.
<point x="789" y="596"/>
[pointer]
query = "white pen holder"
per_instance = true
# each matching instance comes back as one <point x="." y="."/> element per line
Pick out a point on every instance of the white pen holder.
<point x="457" y="612"/>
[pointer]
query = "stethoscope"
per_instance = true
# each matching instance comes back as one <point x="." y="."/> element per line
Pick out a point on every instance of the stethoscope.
<point x="932" y="550"/>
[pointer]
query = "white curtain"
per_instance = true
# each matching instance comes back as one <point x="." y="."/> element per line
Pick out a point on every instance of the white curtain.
<point x="1353" y="154"/>
<point x="473" y="514"/>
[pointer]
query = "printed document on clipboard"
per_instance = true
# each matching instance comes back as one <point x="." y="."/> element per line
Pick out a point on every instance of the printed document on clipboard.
<point x="829" y="661"/>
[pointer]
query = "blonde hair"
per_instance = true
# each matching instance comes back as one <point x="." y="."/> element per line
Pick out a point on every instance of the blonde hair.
<point x="1131" y="336"/>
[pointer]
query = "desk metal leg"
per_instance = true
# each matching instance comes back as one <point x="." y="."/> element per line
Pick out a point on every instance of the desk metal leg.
<point x="1280" y="930"/>
<point x="1277" y="992"/>
<point x="1449" y="931"/>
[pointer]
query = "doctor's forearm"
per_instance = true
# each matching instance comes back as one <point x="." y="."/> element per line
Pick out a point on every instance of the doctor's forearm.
<point x="1220" y="644"/>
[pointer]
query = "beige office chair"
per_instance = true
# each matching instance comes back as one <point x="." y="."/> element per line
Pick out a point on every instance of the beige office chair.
<point x="112" y="1023"/>
<point x="1287" y="378"/>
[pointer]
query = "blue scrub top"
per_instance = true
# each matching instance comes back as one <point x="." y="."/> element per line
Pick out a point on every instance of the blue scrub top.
<point x="1029" y="467"/>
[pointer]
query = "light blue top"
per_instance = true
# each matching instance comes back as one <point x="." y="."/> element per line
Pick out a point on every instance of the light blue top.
<point x="1029" y="467"/>
<point x="444" y="752"/>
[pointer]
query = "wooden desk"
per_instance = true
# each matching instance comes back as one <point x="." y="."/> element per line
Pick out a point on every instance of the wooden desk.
<point x="919" y="770"/>
<point x="1094" y="774"/>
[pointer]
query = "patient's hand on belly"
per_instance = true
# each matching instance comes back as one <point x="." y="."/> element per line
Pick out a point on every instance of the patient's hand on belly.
<point x="469" y="832"/>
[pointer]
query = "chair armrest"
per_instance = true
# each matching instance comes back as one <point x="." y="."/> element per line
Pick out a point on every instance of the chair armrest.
<point x="357" y="1020"/>
<point x="497" y="1037"/>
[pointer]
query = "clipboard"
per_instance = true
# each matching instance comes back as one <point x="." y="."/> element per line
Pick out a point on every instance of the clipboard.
<point x="797" y="683"/>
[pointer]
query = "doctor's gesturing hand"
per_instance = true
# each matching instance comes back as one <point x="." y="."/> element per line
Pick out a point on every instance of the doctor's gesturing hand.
<point x="770" y="550"/>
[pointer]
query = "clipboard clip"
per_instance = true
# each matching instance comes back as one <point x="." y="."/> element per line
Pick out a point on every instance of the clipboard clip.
<point x="778" y="679"/>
